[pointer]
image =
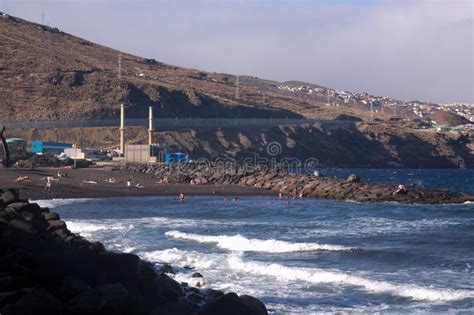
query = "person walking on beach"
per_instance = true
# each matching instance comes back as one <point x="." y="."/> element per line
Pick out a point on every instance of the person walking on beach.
<point x="49" y="183"/>
<point x="129" y="184"/>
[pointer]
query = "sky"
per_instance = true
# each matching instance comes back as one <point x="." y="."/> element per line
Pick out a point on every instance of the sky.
<point x="405" y="49"/>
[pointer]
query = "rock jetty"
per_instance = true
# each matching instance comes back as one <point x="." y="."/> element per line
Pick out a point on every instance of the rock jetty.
<point x="46" y="269"/>
<point x="320" y="187"/>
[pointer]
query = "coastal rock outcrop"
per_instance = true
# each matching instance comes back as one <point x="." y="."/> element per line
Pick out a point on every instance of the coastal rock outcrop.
<point x="296" y="184"/>
<point x="46" y="269"/>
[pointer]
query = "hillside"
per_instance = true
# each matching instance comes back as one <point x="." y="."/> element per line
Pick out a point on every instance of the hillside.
<point x="46" y="74"/>
<point x="448" y="119"/>
<point x="70" y="78"/>
<point x="59" y="76"/>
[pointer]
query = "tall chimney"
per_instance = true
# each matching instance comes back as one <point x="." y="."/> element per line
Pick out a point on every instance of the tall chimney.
<point x="150" y="126"/>
<point x="122" y="128"/>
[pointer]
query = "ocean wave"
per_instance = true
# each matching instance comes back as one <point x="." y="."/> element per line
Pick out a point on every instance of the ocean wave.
<point x="88" y="228"/>
<point x="53" y="203"/>
<point x="374" y="226"/>
<point x="234" y="262"/>
<point x="182" y="258"/>
<point x="240" y="243"/>
<point x="317" y="276"/>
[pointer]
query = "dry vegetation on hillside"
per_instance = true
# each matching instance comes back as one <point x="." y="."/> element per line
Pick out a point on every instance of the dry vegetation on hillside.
<point x="46" y="74"/>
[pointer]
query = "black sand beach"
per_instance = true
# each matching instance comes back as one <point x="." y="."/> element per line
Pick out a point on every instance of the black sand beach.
<point x="92" y="183"/>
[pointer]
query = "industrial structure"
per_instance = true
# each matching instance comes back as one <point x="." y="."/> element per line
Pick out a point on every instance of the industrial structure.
<point x="150" y="125"/>
<point x="122" y="128"/>
<point x="143" y="153"/>
<point x="140" y="153"/>
<point x="128" y="153"/>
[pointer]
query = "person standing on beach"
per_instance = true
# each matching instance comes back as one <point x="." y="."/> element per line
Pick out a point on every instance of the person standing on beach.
<point x="49" y="183"/>
<point x="129" y="184"/>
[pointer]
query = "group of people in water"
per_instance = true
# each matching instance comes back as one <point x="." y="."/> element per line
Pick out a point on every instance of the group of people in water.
<point x="296" y="194"/>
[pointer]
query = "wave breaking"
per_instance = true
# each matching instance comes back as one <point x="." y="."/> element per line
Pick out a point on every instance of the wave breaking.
<point x="243" y="244"/>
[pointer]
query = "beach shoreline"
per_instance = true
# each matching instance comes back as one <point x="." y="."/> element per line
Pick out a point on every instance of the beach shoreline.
<point x="189" y="181"/>
<point x="92" y="183"/>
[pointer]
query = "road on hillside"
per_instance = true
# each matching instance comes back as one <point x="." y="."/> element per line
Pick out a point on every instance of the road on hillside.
<point x="181" y="123"/>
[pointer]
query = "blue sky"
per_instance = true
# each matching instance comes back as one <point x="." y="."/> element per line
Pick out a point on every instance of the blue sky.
<point x="407" y="49"/>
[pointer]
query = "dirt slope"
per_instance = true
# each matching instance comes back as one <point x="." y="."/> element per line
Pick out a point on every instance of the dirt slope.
<point x="46" y="74"/>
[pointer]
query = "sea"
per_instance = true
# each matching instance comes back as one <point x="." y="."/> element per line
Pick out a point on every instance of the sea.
<point x="303" y="256"/>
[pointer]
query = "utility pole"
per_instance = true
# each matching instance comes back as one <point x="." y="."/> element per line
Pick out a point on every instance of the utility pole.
<point x="371" y="111"/>
<point x="74" y="145"/>
<point x="50" y="39"/>
<point x="237" y="88"/>
<point x="120" y="67"/>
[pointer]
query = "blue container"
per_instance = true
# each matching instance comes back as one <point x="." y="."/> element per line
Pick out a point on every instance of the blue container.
<point x="176" y="157"/>
<point x="53" y="147"/>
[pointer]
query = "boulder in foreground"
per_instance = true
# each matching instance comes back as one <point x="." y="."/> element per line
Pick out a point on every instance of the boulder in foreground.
<point x="46" y="269"/>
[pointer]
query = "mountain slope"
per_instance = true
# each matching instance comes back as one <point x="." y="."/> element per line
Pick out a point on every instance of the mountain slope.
<point x="47" y="74"/>
<point x="70" y="78"/>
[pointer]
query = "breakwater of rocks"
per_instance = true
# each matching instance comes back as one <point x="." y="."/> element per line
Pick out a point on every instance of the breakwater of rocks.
<point x="46" y="269"/>
<point x="298" y="185"/>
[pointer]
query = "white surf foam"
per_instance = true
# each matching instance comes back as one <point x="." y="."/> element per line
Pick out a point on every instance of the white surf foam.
<point x="317" y="276"/>
<point x="240" y="243"/>
<point x="181" y="258"/>
<point x="88" y="228"/>
<point x="297" y="275"/>
<point x="53" y="203"/>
